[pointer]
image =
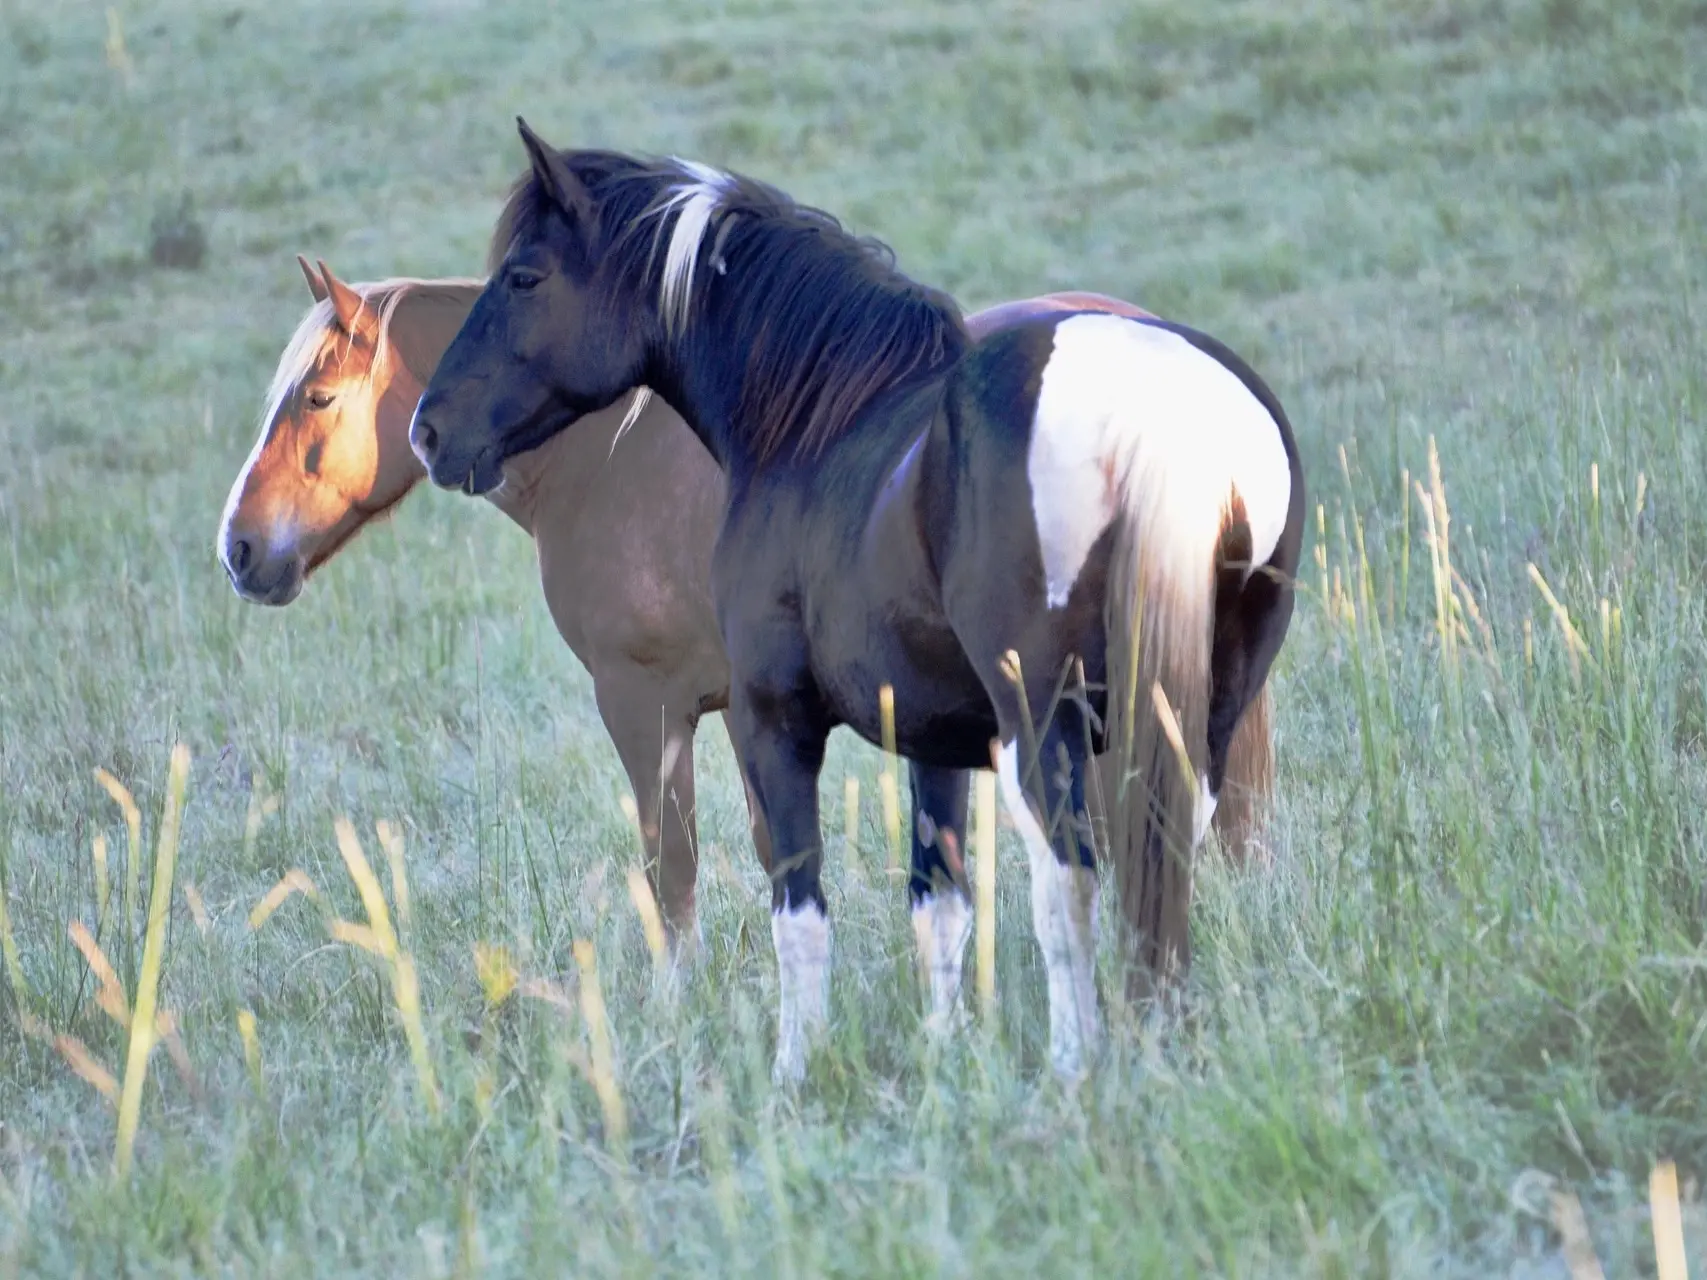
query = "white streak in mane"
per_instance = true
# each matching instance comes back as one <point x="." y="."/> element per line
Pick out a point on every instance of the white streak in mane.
<point x="695" y="203"/>
<point x="640" y="400"/>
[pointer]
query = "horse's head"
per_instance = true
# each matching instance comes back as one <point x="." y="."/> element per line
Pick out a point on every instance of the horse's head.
<point x="560" y="330"/>
<point x="333" y="451"/>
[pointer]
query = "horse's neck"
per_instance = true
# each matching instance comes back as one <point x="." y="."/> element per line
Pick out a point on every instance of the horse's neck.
<point x="426" y="318"/>
<point x="548" y="486"/>
<point x="422" y="326"/>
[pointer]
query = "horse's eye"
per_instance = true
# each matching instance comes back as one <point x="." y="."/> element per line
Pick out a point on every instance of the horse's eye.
<point x="523" y="280"/>
<point x="320" y="399"/>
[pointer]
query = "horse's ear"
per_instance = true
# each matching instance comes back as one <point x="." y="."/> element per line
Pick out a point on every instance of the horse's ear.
<point x="567" y="191"/>
<point x="346" y="302"/>
<point x="316" y="285"/>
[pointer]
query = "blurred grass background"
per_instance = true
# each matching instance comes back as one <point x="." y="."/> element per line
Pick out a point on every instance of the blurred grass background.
<point x="1473" y="975"/>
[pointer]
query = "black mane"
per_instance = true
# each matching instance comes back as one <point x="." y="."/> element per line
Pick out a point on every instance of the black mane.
<point x="823" y="319"/>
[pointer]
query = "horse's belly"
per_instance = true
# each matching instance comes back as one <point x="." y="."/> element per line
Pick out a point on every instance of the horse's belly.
<point x="943" y="716"/>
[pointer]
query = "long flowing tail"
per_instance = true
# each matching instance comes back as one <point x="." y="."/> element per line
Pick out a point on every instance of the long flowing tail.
<point x="1175" y="529"/>
<point x="1247" y="795"/>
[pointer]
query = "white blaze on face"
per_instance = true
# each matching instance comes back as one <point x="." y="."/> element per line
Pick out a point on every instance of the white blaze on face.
<point x="235" y="498"/>
<point x="942" y="923"/>
<point x="1064" y="914"/>
<point x="802" y="938"/>
<point x="298" y="360"/>
<point x="1126" y="407"/>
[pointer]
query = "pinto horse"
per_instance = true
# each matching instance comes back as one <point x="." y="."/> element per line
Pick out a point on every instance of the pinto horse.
<point x="623" y="539"/>
<point x="1077" y="535"/>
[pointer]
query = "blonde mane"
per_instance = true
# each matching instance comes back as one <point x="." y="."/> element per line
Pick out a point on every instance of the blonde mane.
<point x="319" y="327"/>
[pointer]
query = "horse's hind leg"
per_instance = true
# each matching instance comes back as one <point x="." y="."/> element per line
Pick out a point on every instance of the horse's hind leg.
<point x="942" y="911"/>
<point x="653" y="731"/>
<point x="1043" y="786"/>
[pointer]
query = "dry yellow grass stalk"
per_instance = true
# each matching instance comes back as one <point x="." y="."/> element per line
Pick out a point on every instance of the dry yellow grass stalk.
<point x="111" y="998"/>
<point x="142" y="1025"/>
<point x="496" y="970"/>
<point x="133" y="829"/>
<point x="251" y="1051"/>
<point x="378" y="937"/>
<point x="889" y="781"/>
<point x="602" y="1066"/>
<point x="198" y="908"/>
<point x="651" y="923"/>
<point x="293" y="881"/>
<point x="1669" y="1260"/>
<point x="81" y="1061"/>
<point x="391" y="840"/>
<point x="984" y="906"/>
<point x="1580" y="1258"/>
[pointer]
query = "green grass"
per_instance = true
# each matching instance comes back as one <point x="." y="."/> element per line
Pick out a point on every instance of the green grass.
<point x="1475" y="971"/>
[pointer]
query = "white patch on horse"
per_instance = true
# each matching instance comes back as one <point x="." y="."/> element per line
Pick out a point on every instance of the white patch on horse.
<point x="1204" y="811"/>
<point x="942" y="923"/>
<point x="318" y="329"/>
<point x="300" y="358"/>
<point x="1130" y="407"/>
<point x="802" y="938"/>
<point x="1064" y="915"/>
<point x="695" y="203"/>
<point x="640" y="399"/>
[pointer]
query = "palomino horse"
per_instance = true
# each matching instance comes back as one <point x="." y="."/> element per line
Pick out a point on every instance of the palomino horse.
<point x="880" y="468"/>
<point x="623" y="538"/>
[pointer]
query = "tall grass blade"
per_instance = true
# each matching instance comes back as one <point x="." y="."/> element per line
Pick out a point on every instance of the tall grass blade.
<point x="379" y="938"/>
<point x="889" y="781"/>
<point x="103" y="885"/>
<point x="602" y="1065"/>
<point x="142" y="1024"/>
<point x="1669" y="1260"/>
<point x="651" y="923"/>
<point x="984" y="908"/>
<point x="1580" y="1258"/>
<point x="251" y="1052"/>
<point x="9" y="952"/>
<point x="133" y="859"/>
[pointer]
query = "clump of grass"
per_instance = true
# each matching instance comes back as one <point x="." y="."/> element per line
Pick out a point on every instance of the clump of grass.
<point x="176" y="237"/>
<point x="377" y="937"/>
<point x="147" y="1023"/>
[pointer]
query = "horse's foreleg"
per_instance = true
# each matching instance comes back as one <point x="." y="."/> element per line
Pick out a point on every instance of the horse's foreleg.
<point x="653" y="730"/>
<point x="781" y="759"/>
<point x="942" y="910"/>
<point x="755" y="818"/>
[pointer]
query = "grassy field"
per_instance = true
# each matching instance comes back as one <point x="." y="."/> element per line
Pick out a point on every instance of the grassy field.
<point x="1473" y="978"/>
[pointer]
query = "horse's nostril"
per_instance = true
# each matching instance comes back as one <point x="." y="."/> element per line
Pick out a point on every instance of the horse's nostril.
<point x="426" y="438"/>
<point x="239" y="555"/>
